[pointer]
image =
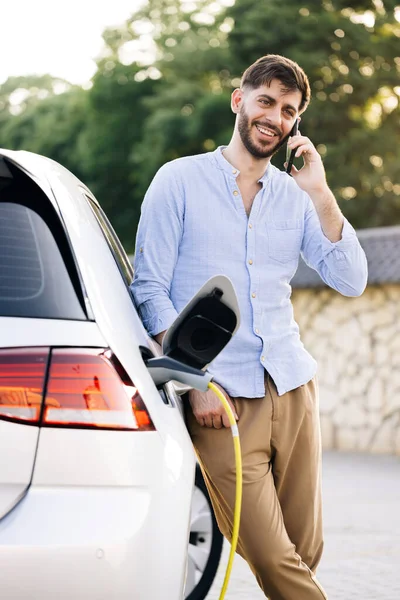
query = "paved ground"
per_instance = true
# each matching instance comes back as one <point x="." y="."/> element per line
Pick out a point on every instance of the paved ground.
<point x="362" y="533"/>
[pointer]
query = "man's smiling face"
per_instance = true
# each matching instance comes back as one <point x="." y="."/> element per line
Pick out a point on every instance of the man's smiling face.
<point x="266" y="117"/>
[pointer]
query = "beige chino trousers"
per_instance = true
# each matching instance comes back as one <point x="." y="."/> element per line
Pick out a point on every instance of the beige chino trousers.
<point x="280" y="533"/>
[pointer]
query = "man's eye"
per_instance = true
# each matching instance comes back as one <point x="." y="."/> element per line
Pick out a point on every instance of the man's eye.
<point x="265" y="102"/>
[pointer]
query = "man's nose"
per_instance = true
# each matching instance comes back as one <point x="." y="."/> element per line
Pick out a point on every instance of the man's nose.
<point x="274" y="115"/>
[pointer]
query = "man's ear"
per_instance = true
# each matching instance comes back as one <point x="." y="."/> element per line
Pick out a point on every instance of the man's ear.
<point x="236" y="100"/>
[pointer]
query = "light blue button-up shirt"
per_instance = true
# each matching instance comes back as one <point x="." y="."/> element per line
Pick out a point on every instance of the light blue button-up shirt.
<point x="194" y="226"/>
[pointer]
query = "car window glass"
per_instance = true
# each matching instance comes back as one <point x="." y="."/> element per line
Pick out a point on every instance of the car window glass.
<point x="115" y="245"/>
<point x="34" y="281"/>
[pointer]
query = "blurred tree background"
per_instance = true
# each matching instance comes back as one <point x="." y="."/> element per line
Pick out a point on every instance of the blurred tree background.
<point x="163" y="85"/>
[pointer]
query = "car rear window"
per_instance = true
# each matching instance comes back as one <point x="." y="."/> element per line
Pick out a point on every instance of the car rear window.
<point x="34" y="279"/>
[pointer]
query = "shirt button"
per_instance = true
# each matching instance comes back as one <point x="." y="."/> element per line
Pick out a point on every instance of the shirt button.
<point x="250" y="262"/>
<point x="250" y="225"/>
<point x="235" y="193"/>
<point x="263" y="358"/>
<point x="234" y="171"/>
<point x="253" y="295"/>
<point x="257" y="331"/>
<point x="141" y="250"/>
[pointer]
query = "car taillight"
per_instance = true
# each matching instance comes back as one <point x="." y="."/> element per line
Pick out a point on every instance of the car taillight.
<point x="22" y="378"/>
<point x="85" y="390"/>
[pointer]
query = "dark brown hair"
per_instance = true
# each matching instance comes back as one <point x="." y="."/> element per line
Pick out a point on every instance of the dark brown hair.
<point x="273" y="66"/>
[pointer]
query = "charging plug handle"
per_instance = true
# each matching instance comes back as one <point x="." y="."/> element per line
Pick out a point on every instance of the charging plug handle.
<point x="163" y="369"/>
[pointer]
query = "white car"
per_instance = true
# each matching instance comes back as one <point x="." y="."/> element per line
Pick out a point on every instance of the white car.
<point x="96" y="466"/>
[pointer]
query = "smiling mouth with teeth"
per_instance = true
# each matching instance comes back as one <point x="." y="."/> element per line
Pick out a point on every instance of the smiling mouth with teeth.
<point x="266" y="132"/>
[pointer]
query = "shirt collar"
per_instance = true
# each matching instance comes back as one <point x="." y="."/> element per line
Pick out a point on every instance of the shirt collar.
<point x="226" y="166"/>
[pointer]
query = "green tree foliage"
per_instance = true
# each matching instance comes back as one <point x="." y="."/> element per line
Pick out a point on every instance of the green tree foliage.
<point x="190" y="57"/>
<point x="163" y="86"/>
<point x="112" y="141"/>
<point x="43" y="115"/>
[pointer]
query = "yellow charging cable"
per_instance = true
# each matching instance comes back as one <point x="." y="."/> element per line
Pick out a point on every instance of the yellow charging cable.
<point x="239" y="485"/>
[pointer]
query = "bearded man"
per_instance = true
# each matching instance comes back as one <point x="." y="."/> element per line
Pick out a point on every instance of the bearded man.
<point x="232" y="212"/>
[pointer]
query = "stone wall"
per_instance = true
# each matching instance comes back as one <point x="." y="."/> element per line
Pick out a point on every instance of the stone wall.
<point x="356" y="342"/>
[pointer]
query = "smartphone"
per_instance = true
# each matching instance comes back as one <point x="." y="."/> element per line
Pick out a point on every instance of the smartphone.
<point x="290" y="155"/>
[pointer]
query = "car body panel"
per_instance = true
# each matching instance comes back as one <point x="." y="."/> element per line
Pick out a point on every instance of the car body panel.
<point x="20" y="332"/>
<point x="97" y="543"/>
<point x="18" y="444"/>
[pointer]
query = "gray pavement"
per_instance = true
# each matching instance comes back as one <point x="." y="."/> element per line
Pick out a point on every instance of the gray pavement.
<point x="361" y="560"/>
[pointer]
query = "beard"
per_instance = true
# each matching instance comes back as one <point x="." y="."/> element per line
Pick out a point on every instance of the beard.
<point x="257" y="149"/>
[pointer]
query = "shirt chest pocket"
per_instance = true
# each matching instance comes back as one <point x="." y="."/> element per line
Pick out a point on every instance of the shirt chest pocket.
<point x="284" y="240"/>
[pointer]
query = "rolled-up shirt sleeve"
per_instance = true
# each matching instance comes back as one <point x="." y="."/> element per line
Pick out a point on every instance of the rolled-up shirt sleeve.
<point x="156" y="250"/>
<point x="342" y="265"/>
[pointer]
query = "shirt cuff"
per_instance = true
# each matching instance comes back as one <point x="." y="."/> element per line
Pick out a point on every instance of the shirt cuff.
<point x="346" y="242"/>
<point x="160" y="321"/>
